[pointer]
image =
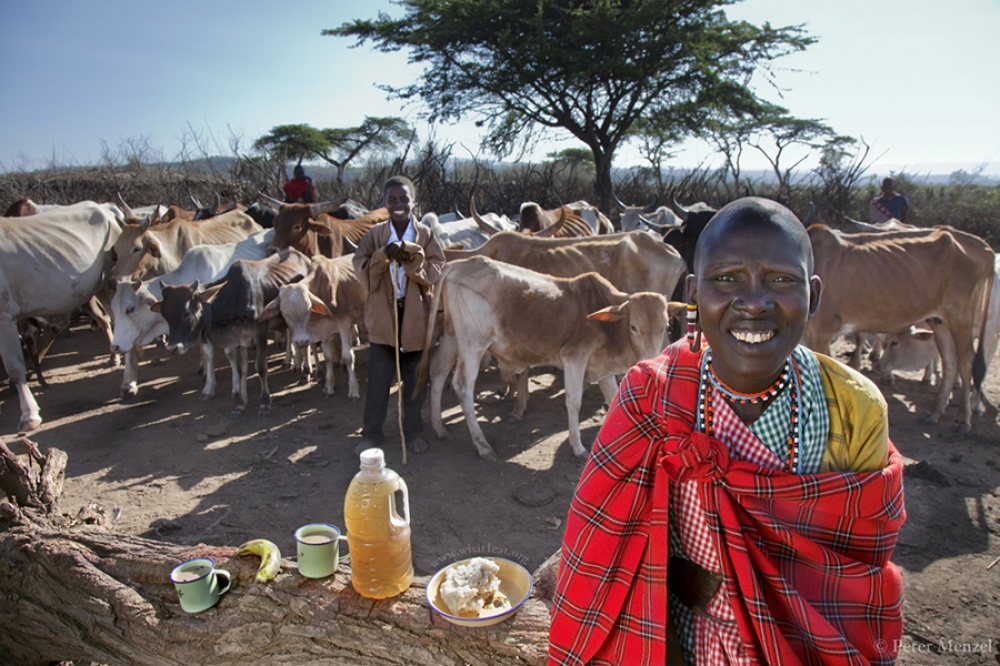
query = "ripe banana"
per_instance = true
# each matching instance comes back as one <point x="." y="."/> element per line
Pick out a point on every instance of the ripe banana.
<point x="270" y="557"/>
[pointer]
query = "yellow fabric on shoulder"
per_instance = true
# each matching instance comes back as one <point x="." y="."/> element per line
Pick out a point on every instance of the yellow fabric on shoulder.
<point x="859" y="420"/>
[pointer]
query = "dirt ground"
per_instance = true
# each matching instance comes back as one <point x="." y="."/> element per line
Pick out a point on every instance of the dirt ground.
<point x="181" y="470"/>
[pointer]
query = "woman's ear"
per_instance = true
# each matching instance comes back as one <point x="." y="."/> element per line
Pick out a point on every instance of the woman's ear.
<point x="815" y="289"/>
<point x="691" y="289"/>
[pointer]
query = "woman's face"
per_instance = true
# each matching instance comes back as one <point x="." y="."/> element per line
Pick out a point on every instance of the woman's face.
<point x="755" y="297"/>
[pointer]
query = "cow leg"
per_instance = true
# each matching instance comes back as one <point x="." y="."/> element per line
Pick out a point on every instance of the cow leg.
<point x="347" y="358"/>
<point x="573" y="376"/>
<point x="98" y="312"/>
<point x="329" y="381"/>
<point x="13" y="363"/>
<point x="859" y="349"/>
<point x="130" y="373"/>
<point x="261" y="365"/>
<point x="233" y="354"/>
<point x="521" y="388"/>
<point x="442" y="362"/>
<point x="609" y="387"/>
<point x="464" y="382"/>
<point x="966" y="353"/>
<point x="949" y="373"/>
<point x="208" y="362"/>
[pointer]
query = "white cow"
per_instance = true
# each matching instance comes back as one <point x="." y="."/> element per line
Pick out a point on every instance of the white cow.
<point x="466" y="231"/>
<point x="135" y="324"/>
<point x="48" y="268"/>
<point x="327" y="303"/>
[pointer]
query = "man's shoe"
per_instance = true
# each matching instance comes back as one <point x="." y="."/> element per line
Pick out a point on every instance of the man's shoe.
<point x="417" y="445"/>
<point x="366" y="444"/>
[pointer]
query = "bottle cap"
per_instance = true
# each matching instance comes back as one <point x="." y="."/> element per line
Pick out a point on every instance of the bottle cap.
<point x="373" y="458"/>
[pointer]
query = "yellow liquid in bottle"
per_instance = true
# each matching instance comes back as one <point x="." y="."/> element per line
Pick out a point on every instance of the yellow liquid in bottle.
<point x="378" y="539"/>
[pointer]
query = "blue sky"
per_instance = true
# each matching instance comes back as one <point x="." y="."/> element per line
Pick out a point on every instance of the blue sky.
<point x="917" y="80"/>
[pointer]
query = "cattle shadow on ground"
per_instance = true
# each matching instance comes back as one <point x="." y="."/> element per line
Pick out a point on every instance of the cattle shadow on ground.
<point x="183" y="471"/>
<point x="945" y="480"/>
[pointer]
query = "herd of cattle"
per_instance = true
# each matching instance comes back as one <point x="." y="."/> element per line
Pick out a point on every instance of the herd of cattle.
<point x="558" y="287"/>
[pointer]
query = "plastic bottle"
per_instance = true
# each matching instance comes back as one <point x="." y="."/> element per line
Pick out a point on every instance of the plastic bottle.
<point x="378" y="538"/>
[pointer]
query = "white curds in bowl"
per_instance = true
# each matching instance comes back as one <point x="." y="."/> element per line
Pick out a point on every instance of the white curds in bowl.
<point x="515" y="583"/>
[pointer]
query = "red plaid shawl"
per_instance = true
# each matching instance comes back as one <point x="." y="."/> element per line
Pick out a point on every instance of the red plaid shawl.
<point x="807" y="556"/>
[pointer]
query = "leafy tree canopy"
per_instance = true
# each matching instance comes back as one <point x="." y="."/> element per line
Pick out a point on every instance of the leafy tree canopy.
<point x="590" y="67"/>
<point x="293" y="142"/>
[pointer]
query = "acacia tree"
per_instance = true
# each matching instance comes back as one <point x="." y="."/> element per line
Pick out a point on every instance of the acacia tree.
<point x="292" y="142"/>
<point x="781" y="132"/>
<point x="373" y="134"/>
<point x="592" y="68"/>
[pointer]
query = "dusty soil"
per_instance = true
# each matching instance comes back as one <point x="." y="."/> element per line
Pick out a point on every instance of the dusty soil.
<point x="181" y="470"/>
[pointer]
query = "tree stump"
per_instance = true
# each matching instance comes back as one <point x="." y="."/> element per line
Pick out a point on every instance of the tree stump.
<point x="71" y="589"/>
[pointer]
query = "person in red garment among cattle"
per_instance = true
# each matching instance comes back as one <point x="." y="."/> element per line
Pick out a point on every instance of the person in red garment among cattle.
<point x="300" y="188"/>
<point x="743" y="499"/>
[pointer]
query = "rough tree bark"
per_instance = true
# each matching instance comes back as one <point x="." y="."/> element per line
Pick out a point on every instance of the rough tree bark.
<point x="74" y="590"/>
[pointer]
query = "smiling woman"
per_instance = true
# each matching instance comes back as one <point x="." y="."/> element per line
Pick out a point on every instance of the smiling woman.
<point x="696" y="447"/>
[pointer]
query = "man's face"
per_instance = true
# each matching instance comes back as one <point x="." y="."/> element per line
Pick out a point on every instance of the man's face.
<point x="399" y="202"/>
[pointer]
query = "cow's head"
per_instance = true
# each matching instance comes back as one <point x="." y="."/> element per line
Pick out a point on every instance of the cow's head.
<point x="187" y="312"/>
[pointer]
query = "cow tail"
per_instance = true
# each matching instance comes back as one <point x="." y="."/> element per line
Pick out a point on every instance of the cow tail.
<point x="430" y="337"/>
<point x="979" y="362"/>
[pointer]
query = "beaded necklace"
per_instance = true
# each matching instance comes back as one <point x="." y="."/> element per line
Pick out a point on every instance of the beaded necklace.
<point x="790" y="372"/>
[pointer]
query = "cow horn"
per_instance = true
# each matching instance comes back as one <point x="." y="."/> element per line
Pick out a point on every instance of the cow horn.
<point x="483" y="224"/>
<point x="553" y="230"/>
<point x="270" y="201"/>
<point x="194" y="201"/>
<point x="129" y="215"/>
<point x="809" y="215"/>
<point x="317" y="209"/>
<point x="618" y="202"/>
<point x="678" y="209"/>
<point x="654" y="225"/>
<point x="651" y="206"/>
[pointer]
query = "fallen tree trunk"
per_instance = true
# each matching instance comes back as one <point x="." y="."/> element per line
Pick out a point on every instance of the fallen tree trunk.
<point x="72" y="591"/>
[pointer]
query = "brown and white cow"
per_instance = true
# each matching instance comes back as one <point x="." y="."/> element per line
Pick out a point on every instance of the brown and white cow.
<point x="583" y="325"/>
<point x="144" y="250"/>
<point x="916" y="348"/>
<point x="325" y="229"/>
<point x="633" y="261"/>
<point x="327" y="303"/>
<point x="227" y="313"/>
<point x="883" y="282"/>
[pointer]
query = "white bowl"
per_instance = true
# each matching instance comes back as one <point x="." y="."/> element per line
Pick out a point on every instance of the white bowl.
<point x="515" y="583"/>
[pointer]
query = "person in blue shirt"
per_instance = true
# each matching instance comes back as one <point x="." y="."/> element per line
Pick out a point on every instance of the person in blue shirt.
<point x="888" y="204"/>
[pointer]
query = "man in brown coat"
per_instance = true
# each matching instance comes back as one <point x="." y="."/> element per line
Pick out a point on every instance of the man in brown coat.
<point x="398" y="263"/>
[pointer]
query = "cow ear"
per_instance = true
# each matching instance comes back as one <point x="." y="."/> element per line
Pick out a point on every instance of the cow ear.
<point x="318" y="306"/>
<point x="319" y="228"/>
<point x="154" y="248"/>
<point x="610" y="313"/>
<point x="208" y="292"/>
<point x="271" y="310"/>
<point x="155" y="306"/>
<point x="673" y="307"/>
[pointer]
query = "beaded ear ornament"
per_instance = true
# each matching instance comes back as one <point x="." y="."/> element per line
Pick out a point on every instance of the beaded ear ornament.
<point x="693" y="332"/>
